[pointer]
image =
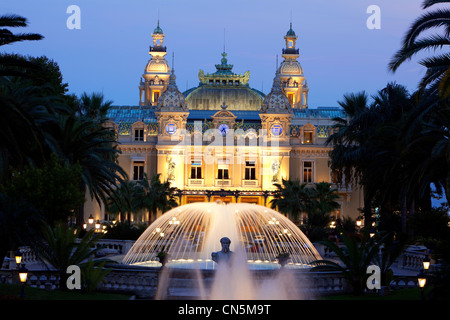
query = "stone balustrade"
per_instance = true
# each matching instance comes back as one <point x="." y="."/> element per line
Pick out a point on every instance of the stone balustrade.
<point x="143" y="282"/>
<point x="412" y="258"/>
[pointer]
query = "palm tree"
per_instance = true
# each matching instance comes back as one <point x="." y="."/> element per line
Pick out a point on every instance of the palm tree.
<point x="432" y="145"/>
<point x="154" y="195"/>
<point x="351" y="154"/>
<point x="13" y="21"/>
<point x="86" y="142"/>
<point x="438" y="66"/>
<point x="324" y="198"/>
<point x="11" y="64"/>
<point x="60" y="248"/>
<point x="321" y="203"/>
<point x="24" y="118"/>
<point x="291" y="198"/>
<point x="122" y="202"/>
<point x="94" y="106"/>
<point x="390" y="167"/>
<point x="371" y="147"/>
<point x="354" y="257"/>
<point x="19" y="224"/>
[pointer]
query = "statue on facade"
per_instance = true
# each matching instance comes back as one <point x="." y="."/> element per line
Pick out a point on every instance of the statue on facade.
<point x="275" y="170"/>
<point x="225" y="254"/>
<point x="171" y="169"/>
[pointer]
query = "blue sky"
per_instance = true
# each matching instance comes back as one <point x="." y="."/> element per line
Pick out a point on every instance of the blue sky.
<point x="338" y="53"/>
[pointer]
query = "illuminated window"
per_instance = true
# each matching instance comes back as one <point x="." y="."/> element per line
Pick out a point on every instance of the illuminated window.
<point x="250" y="170"/>
<point x="138" y="170"/>
<point x="308" y="137"/>
<point x="291" y="97"/>
<point x="307" y="171"/>
<point x="155" y="96"/>
<point x="196" y="170"/>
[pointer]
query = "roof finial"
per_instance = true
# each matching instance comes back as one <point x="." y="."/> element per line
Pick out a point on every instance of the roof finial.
<point x="223" y="39"/>
<point x="173" y="62"/>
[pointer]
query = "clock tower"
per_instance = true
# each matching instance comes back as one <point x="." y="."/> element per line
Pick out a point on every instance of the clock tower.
<point x="171" y="113"/>
<point x="276" y="113"/>
<point x="157" y="71"/>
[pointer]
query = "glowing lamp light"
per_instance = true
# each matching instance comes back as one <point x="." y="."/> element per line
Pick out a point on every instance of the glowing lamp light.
<point x="91" y="219"/>
<point x="426" y="263"/>
<point x="359" y="221"/>
<point x="23" y="274"/>
<point x="421" y="278"/>
<point x="97" y="224"/>
<point x="18" y="257"/>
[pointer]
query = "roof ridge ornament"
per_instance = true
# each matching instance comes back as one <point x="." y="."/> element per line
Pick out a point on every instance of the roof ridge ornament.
<point x="224" y="106"/>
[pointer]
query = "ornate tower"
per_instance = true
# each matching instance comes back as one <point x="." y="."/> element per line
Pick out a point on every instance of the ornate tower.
<point x="291" y="73"/>
<point x="157" y="71"/>
<point x="171" y="112"/>
<point x="276" y="112"/>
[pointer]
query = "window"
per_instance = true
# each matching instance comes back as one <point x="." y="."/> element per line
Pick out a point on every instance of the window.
<point x="155" y="96"/>
<point x="291" y="97"/>
<point x="223" y="173"/>
<point x="250" y="170"/>
<point x="308" y="137"/>
<point x="307" y="171"/>
<point x="139" y="135"/>
<point x="138" y="170"/>
<point x="196" y="170"/>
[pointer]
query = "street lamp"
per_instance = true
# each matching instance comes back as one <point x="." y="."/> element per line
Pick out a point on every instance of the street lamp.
<point x="23" y="274"/>
<point x="97" y="225"/>
<point x="422" y="279"/>
<point x="91" y="219"/>
<point x="18" y="257"/>
<point x="426" y="263"/>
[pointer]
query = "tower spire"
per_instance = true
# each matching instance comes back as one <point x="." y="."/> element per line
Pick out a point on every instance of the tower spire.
<point x="173" y="62"/>
<point x="223" y="39"/>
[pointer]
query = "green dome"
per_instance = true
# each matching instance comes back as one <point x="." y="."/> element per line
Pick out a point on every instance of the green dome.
<point x="158" y="30"/>
<point x="290" y="31"/>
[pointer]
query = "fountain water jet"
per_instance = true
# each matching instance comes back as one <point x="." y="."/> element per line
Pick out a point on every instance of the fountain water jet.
<point x="190" y="233"/>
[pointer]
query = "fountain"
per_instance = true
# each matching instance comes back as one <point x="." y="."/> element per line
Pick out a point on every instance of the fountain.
<point x="198" y="237"/>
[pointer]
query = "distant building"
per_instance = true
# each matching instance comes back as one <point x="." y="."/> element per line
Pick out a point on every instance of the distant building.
<point x="223" y="139"/>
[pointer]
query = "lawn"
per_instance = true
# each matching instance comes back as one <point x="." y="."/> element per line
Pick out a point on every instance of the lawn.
<point x="12" y="292"/>
<point x="399" y="294"/>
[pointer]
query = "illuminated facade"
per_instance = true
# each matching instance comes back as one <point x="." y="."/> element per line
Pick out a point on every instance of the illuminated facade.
<point x="223" y="139"/>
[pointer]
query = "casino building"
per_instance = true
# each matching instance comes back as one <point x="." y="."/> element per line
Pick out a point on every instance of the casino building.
<point x="224" y="139"/>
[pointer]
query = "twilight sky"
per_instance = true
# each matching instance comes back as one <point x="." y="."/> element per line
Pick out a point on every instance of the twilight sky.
<point x="338" y="53"/>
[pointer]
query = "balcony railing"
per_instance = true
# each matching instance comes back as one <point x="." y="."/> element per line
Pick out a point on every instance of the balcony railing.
<point x="196" y="182"/>
<point x="158" y="49"/>
<point x="223" y="182"/>
<point x="250" y="183"/>
<point x="290" y="51"/>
